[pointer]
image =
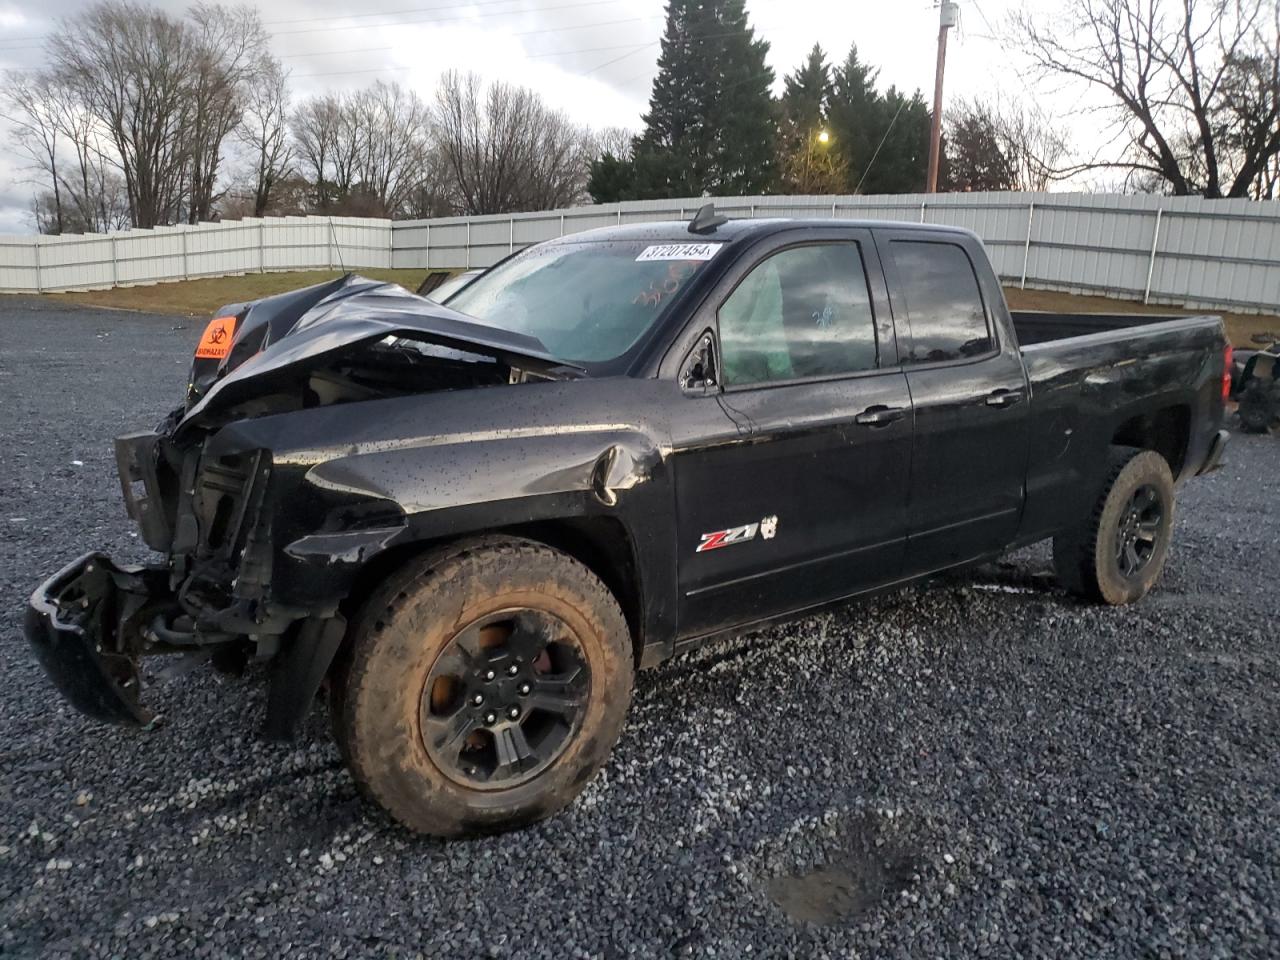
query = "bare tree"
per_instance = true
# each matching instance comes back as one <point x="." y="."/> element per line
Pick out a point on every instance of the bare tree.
<point x="315" y="130"/>
<point x="231" y="59"/>
<point x="975" y="156"/>
<point x="65" y="145"/>
<point x="33" y="105"/>
<point x="367" y="151"/>
<point x="1001" y="146"/>
<point x="1193" y="85"/>
<point x="348" y="144"/>
<point x="132" y="68"/>
<point x="612" y="141"/>
<point x="264" y="133"/>
<point x="156" y="97"/>
<point x="390" y="160"/>
<point x="505" y="149"/>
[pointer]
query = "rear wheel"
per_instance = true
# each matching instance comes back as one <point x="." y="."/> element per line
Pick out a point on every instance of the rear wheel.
<point x="484" y="686"/>
<point x="1117" y="555"/>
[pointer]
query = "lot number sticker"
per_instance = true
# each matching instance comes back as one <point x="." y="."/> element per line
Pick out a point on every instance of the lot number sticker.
<point x="679" y="251"/>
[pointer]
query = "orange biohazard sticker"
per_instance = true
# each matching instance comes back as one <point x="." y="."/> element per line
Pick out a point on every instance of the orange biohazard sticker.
<point x="216" y="341"/>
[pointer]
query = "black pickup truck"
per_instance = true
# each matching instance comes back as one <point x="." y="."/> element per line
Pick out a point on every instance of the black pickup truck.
<point x="471" y="523"/>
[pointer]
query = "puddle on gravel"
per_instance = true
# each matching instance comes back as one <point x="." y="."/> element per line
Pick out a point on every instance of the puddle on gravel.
<point x="860" y="866"/>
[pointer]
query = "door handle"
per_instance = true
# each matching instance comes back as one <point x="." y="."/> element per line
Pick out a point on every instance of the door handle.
<point x="1003" y="398"/>
<point x="880" y="416"/>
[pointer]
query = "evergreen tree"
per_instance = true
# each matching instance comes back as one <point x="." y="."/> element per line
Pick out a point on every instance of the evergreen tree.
<point x="804" y="99"/>
<point x="610" y="179"/>
<point x="808" y="162"/>
<point x="903" y="163"/>
<point x="853" y="113"/>
<point x="863" y="121"/>
<point x="710" y="126"/>
<point x="975" y="155"/>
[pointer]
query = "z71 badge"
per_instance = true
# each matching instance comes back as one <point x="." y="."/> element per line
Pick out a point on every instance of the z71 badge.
<point x="767" y="528"/>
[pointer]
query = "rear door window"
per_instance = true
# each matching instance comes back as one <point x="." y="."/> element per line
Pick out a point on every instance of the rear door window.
<point x="944" y="302"/>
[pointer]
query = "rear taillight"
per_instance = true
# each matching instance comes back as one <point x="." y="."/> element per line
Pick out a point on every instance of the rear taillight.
<point x="1226" y="372"/>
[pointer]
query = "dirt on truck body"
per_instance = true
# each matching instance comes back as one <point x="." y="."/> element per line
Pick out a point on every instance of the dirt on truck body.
<point x="471" y="522"/>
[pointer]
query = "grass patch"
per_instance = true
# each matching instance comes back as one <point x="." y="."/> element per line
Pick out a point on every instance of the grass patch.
<point x="202" y="297"/>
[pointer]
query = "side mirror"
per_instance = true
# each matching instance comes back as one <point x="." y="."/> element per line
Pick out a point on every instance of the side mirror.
<point x="699" y="374"/>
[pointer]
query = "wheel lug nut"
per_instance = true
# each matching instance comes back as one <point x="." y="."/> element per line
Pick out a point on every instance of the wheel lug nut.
<point x="525" y="688"/>
<point x="513" y="712"/>
<point x="490" y="718"/>
<point x="513" y="670"/>
<point x="478" y="699"/>
<point x="489" y="675"/>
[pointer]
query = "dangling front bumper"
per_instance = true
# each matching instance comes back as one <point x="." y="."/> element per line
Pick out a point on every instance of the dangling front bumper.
<point x="84" y="624"/>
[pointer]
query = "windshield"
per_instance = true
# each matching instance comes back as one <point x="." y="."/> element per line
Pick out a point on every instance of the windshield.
<point x="587" y="302"/>
<point x="451" y="286"/>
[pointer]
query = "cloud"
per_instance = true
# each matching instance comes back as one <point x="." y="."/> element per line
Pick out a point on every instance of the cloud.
<point x="595" y="59"/>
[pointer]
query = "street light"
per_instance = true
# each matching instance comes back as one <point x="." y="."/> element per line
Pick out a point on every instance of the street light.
<point x="817" y="141"/>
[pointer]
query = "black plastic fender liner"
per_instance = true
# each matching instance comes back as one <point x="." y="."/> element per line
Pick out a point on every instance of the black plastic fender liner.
<point x="73" y="622"/>
<point x="1213" y="460"/>
<point x="298" y="671"/>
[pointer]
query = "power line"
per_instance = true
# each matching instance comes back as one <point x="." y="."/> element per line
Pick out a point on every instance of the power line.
<point x="888" y="130"/>
<point x="517" y="33"/>
<point x="446" y="6"/>
<point x="651" y="43"/>
<point x="990" y="29"/>
<point x="544" y="53"/>
<point x="632" y="47"/>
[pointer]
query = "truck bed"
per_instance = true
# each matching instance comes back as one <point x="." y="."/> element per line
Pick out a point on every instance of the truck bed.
<point x="1101" y="379"/>
<point x="1038" y="326"/>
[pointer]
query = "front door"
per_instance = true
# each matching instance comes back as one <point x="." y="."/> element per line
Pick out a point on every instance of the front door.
<point x="791" y="482"/>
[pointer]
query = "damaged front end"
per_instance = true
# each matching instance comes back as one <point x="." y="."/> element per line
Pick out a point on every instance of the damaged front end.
<point x="212" y="598"/>
<point x="258" y="558"/>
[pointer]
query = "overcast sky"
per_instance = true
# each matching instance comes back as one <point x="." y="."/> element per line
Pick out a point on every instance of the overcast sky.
<point x="593" y="58"/>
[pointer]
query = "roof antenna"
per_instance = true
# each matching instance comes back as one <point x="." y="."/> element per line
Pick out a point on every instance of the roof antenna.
<point x="337" y="247"/>
<point x="706" y="219"/>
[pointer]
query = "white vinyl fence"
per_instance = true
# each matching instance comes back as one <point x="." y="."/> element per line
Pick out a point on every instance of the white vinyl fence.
<point x="1217" y="254"/>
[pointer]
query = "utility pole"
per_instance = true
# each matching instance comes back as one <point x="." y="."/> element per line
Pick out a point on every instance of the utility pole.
<point x="948" y="15"/>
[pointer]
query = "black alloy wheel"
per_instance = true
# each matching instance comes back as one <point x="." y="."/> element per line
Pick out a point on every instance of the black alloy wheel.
<point x="1138" y="532"/>
<point x="482" y="685"/>
<point x="1115" y="554"/>
<point x="504" y="698"/>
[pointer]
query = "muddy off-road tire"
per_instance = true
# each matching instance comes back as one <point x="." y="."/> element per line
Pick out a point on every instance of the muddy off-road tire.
<point x="482" y="687"/>
<point x="1117" y="554"/>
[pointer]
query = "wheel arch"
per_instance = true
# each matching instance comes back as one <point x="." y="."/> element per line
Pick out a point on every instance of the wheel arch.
<point x="603" y="544"/>
<point x="1167" y="431"/>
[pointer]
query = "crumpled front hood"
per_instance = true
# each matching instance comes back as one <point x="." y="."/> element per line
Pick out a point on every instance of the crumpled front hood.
<point x="284" y="335"/>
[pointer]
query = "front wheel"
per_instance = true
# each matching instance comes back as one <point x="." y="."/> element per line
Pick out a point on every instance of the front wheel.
<point x="1118" y="553"/>
<point x="485" y="685"/>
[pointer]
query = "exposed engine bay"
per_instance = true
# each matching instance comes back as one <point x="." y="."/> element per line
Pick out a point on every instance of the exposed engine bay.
<point x="208" y="497"/>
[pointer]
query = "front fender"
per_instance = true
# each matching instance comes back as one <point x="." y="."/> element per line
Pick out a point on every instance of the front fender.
<point x="354" y="481"/>
<point x="457" y="489"/>
<point x="604" y="465"/>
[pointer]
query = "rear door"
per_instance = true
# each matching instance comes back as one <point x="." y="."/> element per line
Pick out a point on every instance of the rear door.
<point x="968" y="389"/>
<point x="799" y="495"/>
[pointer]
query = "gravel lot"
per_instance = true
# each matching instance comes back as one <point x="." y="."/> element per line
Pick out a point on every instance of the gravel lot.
<point x="986" y="767"/>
